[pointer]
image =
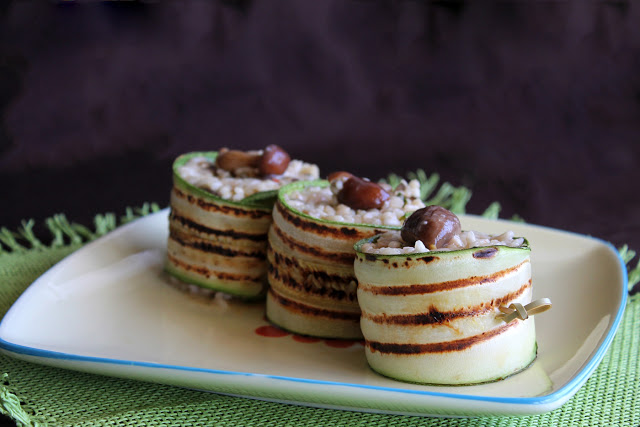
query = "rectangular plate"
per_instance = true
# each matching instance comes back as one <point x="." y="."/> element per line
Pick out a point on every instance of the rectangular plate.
<point x="108" y="309"/>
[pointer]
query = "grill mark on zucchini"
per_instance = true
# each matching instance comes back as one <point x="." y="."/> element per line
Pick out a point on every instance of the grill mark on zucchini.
<point x="224" y="209"/>
<point x="294" y="245"/>
<point x="429" y="288"/>
<point x="344" y="233"/>
<point x="214" y="249"/>
<point x="437" y="347"/>
<point x="188" y="223"/>
<point x="289" y="264"/>
<point x="314" y="311"/>
<point x="436" y="317"/>
<point x="485" y="253"/>
<point x="203" y="271"/>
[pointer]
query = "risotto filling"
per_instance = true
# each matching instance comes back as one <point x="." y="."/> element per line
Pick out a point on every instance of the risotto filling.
<point x="391" y="243"/>
<point x="236" y="175"/>
<point x="435" y="228"/>
<point x="355" y="200"/>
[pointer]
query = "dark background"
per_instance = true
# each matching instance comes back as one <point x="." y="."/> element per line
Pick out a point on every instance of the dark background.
<point x="534" y="104"/>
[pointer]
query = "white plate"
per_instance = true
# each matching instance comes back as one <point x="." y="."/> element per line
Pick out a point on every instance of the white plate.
<point x="108" y="309"/>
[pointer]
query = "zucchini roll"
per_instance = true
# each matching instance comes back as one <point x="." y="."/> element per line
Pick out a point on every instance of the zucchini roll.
<point x="315" y="225"/>
<point x="431" y="298"/>
<point x="221" y="206"/>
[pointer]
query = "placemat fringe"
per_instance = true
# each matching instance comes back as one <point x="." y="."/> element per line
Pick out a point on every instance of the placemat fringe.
<point x="633" y="273"/>
<point x="11" y="406"/>
<point x="65" y="232"/>
<point x="8" y="238"/>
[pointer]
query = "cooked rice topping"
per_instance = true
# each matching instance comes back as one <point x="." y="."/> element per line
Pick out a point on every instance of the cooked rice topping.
<point x="391" y="243"/>
<point x="322" y="203"/>
<point x="202" y="173"/>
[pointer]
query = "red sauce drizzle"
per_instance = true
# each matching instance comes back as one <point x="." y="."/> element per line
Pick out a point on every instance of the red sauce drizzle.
<point x="271" y="331"/>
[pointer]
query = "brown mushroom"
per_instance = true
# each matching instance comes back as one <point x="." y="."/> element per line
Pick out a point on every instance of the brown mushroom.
<point x="274" y="161"/>
<point x="358" y="193"/>
<point x="435" y="226"/>
<point x="339" y="175"/>
<point x="232" y="160"/>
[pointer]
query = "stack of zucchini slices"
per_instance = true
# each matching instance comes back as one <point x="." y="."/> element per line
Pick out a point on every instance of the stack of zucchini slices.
<point x="218" y="243"/>
<point x="434" y="315"/>
<point x="312" y="285"/>
<point x="312" y="282"/>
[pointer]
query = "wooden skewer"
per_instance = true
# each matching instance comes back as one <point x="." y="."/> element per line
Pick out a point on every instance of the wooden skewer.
<point x="518" y="311"/>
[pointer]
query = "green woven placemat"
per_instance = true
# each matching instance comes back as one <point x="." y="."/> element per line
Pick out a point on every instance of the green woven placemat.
<point x="38" y="395"/>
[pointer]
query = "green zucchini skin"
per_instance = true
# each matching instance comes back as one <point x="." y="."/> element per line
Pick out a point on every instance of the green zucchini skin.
<point x="312" y="284"/>
<point x="431" y="317"/>
<point x="216" y="243"/>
